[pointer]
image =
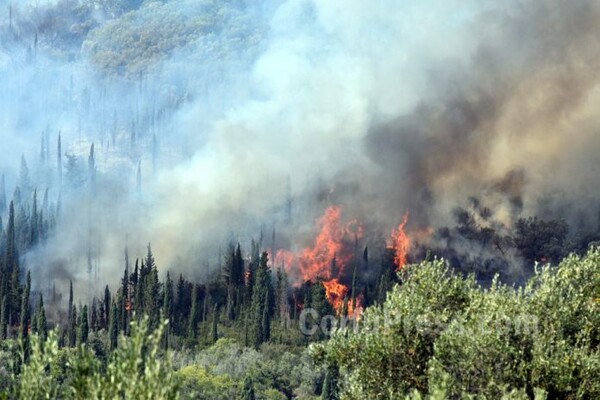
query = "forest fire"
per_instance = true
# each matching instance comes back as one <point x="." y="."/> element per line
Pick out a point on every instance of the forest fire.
<point x="329" y="258"/>
<point x="336" y="293"/>
<point x="332" y="258"/>
<point x="400" y="242"/>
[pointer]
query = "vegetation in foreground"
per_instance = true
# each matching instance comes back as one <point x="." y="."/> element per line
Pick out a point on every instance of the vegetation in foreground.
<point x="436" y="336"/>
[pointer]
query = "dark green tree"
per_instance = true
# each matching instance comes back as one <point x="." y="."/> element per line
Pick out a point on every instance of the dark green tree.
<point x="215" y="321"/>
<point x="83" y="332"/>
<point x="42" y="324"/>
<point x="113" y="330"/>
<point x="107" y="305"/>
<point x="25" y="312"/>
<point x="266" y="320"/>
<point x="248" y="393"/>
<point x="193" y="320"/>
<point x="331" y="384"/>
<point x="167" y="308"/>
<point x="73" y="328"/>
<point x="4" y="319"/>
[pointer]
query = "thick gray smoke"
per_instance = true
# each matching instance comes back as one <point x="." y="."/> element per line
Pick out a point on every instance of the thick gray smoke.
<point x="381" y="107"/>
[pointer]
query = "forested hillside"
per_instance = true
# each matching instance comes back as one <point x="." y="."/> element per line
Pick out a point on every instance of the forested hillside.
<point x="299" y="199"/>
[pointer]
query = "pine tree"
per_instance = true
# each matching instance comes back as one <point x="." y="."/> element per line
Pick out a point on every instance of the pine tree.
<point x="84" y="329"/>
<point x="113" y="330"/>
<point x="248" y="393"/>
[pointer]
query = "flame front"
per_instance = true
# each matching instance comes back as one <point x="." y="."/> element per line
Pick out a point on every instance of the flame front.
<point x="327" y="254"/>
<point x="332" y="257"/>
<point x="336" y="293"/>
<point x="400" y="243"/>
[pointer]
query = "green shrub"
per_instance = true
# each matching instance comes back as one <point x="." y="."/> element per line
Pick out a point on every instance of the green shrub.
<point x="443" y="336"/>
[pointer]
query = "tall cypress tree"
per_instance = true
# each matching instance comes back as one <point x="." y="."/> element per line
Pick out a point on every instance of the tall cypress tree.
<point x="84" y="329"/>
<point x="260" y="299"/>
<point x="266" y="320"/>
<point x="179" y="310"/>
<point x="25" y="311"/>
<point x="11" y="276"/>
<point x="151" y="297"/>
<point x="4" y="319"/>
<point x="125" y="301"/>
<point x="167" y="308"/>
<point x="107" y="305"/>
<point x="331" y="385"/>
<point x="248" y="393"/>
<point x="113" y="330"/>
<point x="42" y="324"/>
<point x="70" y="312"/>
<point x="215" y="321"/>
<point x="94" y="315"/>
<point x="193" y="320"/>
<point x="33" y="221"/>
<point x="73" y="328"/>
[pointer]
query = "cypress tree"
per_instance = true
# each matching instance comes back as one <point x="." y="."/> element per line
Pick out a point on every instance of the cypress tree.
<point x="73" y="328"/>
<point x="331" y="385"/>
<point x="113" y="330"/>
<point x="167" y="308"/>
<point x="84" y="329"/>
<point x="70" y="310"/>
<point x="33" y="221"/>
<point x="260" y="300"/>
<point x="239" y="268"/>
<point x="2" y="195"/>
<point x="11" y="277"/>
<point x="215" y="321"/>
<point x="266" y="321"/>
<point x="107" y="305"/>
<point x="230" y="309"/>
<point x="179" y="310"/>
<point x="42" y="324"/>
<point x="4" y="319"/>
<point x="152" y="299"/>
<point x="25" y="311"/>
<point x="248" y="393"/>
<point x="94" y="315"/>
<point x="193" y="320"/>
<point x="124" y="305"/>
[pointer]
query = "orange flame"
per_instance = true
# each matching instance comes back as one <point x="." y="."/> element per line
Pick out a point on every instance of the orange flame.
<point x="317" y="261"/>
<point x="336" y="293"/>
<point x="327" y="258"/>
<point x="400" y="242"/>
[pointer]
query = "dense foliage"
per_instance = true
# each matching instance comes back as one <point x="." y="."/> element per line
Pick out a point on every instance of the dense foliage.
<point x="437" y="333"/>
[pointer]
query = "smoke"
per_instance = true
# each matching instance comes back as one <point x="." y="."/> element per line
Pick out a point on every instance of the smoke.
<point x="273" y="112"/>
